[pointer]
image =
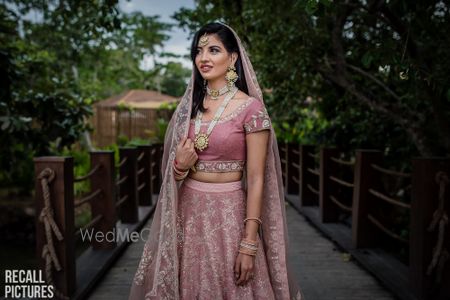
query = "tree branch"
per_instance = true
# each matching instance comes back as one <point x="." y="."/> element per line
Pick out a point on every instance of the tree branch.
<point x="413" y="129"/>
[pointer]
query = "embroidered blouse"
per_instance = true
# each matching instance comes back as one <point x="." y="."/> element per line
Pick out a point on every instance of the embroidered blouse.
<point x="227" y="148"/>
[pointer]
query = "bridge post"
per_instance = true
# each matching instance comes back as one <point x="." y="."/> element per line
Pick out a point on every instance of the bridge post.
<point x="60" y="208"/>
<point x="282" y="149"/>
<point x="292" y="170"/>
<point x="104" y="205"/>
<point x="428" y="205"/>
<point x="158" y="158"/>
<point x="144" y="175"/>
<point x="328" y="210"/>
<point x="306" y="161"/>
<point x="129" y="207"/>
<point x="363" y="232"/>
<point x="155" y="162"/>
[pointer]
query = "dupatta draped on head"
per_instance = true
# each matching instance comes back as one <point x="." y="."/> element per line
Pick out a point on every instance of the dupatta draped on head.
<point x="157" y="274"/>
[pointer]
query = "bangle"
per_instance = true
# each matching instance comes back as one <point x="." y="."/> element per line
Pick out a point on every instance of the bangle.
<point x="179" y="174"/>
<point x="249" y="241"/>
<point x="254" y="248"/>
<point x="248" y="252"/>
<point x="176" y="166"/>
<point x="248" y="246"/>
<point x="258" y="220"/>
<point x="178" y="177"/>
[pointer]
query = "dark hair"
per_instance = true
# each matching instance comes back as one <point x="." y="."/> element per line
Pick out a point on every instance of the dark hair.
<point x="226" y="36"/>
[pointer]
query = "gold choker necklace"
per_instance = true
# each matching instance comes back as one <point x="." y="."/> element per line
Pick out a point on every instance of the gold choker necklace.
<point x="216" y="93"/>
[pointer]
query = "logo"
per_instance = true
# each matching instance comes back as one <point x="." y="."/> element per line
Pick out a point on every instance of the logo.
<point x="26" y="284"/>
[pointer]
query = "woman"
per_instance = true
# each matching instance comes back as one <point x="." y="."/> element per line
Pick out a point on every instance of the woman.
<point x="219" y="228"/>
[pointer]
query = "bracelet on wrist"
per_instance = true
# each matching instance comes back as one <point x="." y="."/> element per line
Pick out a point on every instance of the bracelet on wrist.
<point x="178" y="168"/>
<point x="248" y="252"/>
<point x="179" y="174"/>
<point x="257" y="220"/>
<point x="248" y="246"/>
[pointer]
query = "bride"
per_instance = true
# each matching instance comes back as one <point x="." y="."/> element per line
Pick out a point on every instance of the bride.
<point x="219" y="228"/>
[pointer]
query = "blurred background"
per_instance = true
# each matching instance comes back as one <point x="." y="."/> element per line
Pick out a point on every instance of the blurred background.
<point x="78" y="76"/>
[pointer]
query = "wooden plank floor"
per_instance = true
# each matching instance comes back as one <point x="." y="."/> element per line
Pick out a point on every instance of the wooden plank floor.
<point x="321" y="269"/>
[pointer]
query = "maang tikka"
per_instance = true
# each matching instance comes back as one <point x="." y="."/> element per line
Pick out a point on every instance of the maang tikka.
<point x="231" y="76"/>
<point x="203" y="40"/>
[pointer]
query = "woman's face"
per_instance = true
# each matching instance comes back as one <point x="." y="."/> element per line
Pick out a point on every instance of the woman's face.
<point x="212" y="59"/>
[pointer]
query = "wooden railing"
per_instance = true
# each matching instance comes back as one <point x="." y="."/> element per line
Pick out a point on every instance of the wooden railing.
<point x="129" y="197"/>
<point x="346" y="197"/>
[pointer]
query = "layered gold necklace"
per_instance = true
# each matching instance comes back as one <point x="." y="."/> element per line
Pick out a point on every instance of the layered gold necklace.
<point x="202" y="139"/>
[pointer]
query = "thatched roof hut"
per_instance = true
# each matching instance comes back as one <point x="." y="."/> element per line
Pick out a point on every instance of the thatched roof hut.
<point x="132" y="113"/>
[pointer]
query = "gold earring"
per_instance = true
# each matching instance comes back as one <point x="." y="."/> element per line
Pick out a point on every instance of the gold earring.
<point x="231" y="76"/>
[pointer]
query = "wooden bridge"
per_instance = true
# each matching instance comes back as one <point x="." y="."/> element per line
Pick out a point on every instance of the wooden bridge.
<point x="358" y="229"/>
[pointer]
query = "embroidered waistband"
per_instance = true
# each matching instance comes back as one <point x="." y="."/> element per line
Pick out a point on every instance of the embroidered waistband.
<point x="213" y="187"/>
<point x="214" y="166"/>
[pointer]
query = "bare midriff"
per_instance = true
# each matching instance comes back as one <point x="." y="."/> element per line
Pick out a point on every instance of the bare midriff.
<point x="216" y="177"/>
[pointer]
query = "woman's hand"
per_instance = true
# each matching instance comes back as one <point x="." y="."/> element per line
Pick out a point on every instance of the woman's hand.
<point x="244" y="268"/>
<point x="185" y="154"/>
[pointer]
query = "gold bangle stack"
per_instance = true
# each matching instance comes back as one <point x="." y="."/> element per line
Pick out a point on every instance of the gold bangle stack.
<point x="248" y="247"/>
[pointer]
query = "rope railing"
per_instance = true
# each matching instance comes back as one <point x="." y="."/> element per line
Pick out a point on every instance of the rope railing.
<point x="386" y="230"/>
<point x="122" y="162"/>
<point x="389" y="199"/>
<point x="141" y="156"/>
<point x="342" y="182"/>
<point x="350" y="162"/>
<point x="133" y="194"/>
<point x="314" y="171"/>
<point x="314" y="155"/>
<point x="312" y="189"/>
<point x="88" y="175"/>
<point x="89" y="197"/>
<point x="121" y="200"/>
<point x="140" y="187"/>
<point x="378" y="217"/>
<point x="439" y="221"/>
<point x="390" y="172"/>
<point x="46" y="216"/>
<point x="340" y="204"/>
<point x="140" y="171"/>
<point x="89" y="225"/>
<point x="121" y="180"/>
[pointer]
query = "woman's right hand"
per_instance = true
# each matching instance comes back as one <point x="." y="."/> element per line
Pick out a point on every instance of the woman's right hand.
<point x="185" y="154"/>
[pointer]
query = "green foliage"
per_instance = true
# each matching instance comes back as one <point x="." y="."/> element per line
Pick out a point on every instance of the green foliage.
<point x="162" y="125"/>
<point x="122" y="140"/>
<point x="376" y="73"/>
<point x="53" y="68"/>
<point x="174" y="77"/>
<point x="81" y="165"/>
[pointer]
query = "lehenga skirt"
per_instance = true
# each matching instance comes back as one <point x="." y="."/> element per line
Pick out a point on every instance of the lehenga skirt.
<point x="211" y="217"/>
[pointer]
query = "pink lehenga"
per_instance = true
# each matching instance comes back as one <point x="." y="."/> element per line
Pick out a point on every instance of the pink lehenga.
<point x="212" y="228"/>
<point x="197" y="226"/>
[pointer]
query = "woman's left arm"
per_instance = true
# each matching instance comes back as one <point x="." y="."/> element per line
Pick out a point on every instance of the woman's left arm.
<point x="257" y="143"/>
<point x="256" y="163"/>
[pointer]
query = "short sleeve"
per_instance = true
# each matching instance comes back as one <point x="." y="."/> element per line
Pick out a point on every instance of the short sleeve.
<point x="256" y="118"/>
